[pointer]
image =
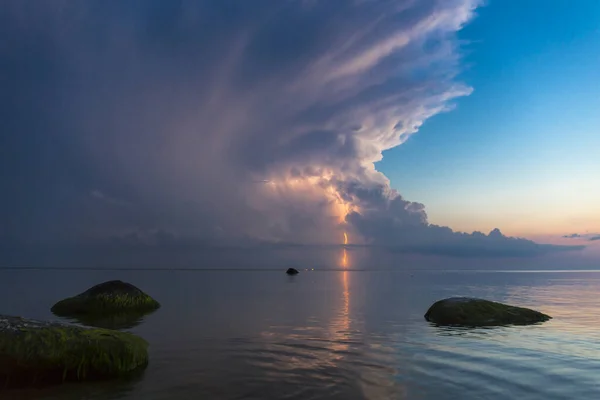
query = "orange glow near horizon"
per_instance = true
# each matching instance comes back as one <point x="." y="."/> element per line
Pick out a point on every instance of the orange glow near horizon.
<point x="345" y="238"/>
<point x="344" y="259"/>
<point x="548" y="213"/>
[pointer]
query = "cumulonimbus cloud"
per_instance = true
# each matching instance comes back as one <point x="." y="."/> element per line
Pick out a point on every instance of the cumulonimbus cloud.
<point x="224" y="121"/>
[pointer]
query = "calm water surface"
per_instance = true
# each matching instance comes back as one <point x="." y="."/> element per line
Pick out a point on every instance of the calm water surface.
<point x="337" y="335"/>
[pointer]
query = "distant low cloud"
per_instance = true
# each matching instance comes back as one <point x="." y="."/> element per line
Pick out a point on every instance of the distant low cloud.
<point x="232" y="122"/>
<point x="587" y="236"/>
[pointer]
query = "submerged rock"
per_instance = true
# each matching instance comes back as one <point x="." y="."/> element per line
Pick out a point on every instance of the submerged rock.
<point x="466" y="311"/>
<point x="291" y="271"/>
<point x="106" y="298"/>
<point x="114" y="320"/>
<point x="34" y="353"/>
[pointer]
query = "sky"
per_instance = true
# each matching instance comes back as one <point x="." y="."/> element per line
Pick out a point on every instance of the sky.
<point x="519" y="152"/>
<point x="425" y="127"/>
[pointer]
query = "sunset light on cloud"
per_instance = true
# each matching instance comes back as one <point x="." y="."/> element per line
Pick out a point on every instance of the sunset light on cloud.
<point x="272" y="131"/>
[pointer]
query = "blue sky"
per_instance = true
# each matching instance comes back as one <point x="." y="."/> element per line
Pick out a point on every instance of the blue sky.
<point x="521" y="152"/>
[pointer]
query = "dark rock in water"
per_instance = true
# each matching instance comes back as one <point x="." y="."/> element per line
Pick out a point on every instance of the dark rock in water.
<point x="291" y="271"/>
<point x="106" y="298"/>
<point x="466" y="311"/>
<point x="35" y="353"/>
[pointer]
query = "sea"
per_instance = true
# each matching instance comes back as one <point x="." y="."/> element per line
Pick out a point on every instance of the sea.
<point x="334" y="331"/>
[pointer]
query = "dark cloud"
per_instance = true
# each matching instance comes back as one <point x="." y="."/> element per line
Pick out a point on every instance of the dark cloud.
<point x="589" y="236"/>
<point x="157" y="122"/>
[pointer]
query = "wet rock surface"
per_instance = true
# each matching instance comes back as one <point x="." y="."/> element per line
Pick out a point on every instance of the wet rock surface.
<point x="37" y="353"/>
<point x="106" y="298"/>
<point x="467" y="311"/>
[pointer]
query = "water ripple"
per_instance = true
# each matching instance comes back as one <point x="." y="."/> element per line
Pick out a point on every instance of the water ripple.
<point x="353" y="336"/>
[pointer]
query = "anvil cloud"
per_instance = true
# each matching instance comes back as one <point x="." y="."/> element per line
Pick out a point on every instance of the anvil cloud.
<point x="223" y="121"/>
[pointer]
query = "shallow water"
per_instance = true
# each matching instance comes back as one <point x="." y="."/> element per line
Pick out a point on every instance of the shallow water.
<point x="336" y="335"/>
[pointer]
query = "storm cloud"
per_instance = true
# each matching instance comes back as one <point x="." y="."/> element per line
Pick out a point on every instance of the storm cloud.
<point x="223" y="122"/>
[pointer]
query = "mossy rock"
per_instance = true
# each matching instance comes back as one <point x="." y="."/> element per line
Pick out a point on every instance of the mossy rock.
<point x="106" y="298"/>
<point x="35" y="353"/>
<point x="466" y="311"/>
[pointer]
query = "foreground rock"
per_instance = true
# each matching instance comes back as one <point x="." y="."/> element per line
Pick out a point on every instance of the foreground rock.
<point x="106" y="298"/>
<point x="466" y="311"/>
<point x="291" y="271"/>
<point x="34" y="353"/>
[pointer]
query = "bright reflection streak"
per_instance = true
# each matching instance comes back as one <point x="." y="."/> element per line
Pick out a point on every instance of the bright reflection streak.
<point x="334" y="342"/>
<point x="345" y="314"/>
<point x="344" y="260"/>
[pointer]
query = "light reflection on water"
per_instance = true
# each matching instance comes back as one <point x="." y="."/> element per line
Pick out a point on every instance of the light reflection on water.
<point x="344" y="262"/>
<point x="339" y="335"/>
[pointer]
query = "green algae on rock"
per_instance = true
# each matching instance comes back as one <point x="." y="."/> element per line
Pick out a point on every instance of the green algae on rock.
<point x="105" y="298"/>
<point x="466" y="311"/>
<point x="35" y="353"/>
